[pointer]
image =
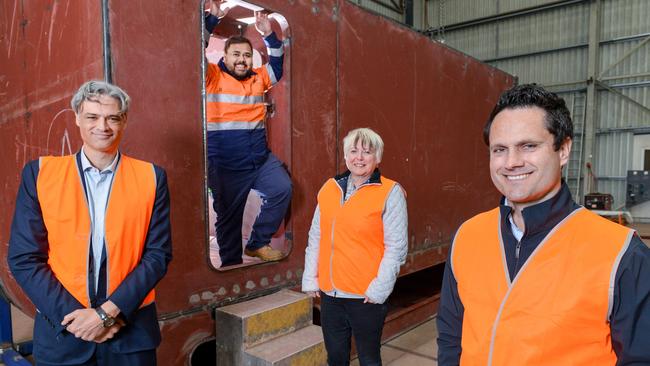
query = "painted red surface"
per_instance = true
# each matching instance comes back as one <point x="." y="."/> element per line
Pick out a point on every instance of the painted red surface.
<point x="47" y="49"/>
<point x="347" y="68"/>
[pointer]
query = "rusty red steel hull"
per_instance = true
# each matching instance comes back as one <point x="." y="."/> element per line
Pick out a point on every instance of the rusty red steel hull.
<point x="347" y="68"/>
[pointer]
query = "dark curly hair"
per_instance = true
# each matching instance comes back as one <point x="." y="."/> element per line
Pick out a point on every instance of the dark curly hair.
<point x="236" y="40"/>
<point x="558" y="118"/>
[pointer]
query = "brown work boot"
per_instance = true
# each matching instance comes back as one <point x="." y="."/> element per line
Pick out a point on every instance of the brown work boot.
<point x="265" y="253"/>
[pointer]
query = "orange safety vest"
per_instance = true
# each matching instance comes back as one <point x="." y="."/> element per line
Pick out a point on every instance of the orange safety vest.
<point x="235" y="104"/>
<point x="556" y="310"/>
<point x="352" y="236"/>
<point x="67" y="219"/>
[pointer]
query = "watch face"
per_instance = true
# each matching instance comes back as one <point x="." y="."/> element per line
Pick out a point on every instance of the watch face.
<point x="108" y="322"/>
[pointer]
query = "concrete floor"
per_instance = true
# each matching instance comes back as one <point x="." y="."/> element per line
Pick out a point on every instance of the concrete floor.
<point x="415" y="347"/>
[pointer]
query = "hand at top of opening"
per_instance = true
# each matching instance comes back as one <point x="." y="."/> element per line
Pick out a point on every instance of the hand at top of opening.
<point x="215" y="9"/>
<point x="263" y="24"/>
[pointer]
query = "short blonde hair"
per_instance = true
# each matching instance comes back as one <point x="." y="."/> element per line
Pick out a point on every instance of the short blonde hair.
<point x="368" y="138"/>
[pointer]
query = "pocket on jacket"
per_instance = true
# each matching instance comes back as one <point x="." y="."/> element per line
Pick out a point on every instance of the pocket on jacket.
<point x="63" y="347"/>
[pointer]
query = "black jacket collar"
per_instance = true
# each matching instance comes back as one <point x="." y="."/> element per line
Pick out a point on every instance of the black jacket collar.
<point x="342" y="179"/>
<point x="544" y="215"/>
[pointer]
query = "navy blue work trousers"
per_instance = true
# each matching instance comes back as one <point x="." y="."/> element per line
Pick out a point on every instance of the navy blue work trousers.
<point x="104" y="357"/>
<point x="230" y="190"/>
<point x="340" y="318"/>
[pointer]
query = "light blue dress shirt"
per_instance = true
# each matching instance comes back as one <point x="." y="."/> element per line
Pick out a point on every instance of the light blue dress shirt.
<point x="98" y="187"/>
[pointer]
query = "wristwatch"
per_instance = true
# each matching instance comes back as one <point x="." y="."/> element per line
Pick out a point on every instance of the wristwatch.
<point x="107" y="320"/>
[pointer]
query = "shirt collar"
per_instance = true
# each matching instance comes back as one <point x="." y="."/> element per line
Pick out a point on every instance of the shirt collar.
<point x="86" y="164"/>
<point x="342" y="179"/>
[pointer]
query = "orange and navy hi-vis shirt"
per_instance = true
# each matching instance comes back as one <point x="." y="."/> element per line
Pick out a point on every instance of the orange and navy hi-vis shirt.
<point x="66" y="215"/>
<point x="236" y="111"/>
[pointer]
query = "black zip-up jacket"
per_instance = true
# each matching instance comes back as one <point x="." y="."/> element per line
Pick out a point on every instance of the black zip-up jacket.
<point x="630" y="318"/>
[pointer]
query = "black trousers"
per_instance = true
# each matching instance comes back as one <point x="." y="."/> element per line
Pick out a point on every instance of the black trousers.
<point x="342" y="318"/>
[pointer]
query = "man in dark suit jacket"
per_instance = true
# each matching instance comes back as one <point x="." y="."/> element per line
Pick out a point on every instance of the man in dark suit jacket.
<point x="90" y="240"/>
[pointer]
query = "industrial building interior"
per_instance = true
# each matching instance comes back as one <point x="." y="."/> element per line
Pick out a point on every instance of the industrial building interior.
<point x="593" y="53"/>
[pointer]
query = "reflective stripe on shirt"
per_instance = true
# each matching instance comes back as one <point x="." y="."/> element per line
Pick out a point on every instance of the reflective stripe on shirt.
<point x="235" y="125"/>
<point x="233" y="98"/>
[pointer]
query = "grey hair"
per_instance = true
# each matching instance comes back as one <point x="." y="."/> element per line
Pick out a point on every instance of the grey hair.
<point x="367" y="137"/>
<point x="92" y="90"/>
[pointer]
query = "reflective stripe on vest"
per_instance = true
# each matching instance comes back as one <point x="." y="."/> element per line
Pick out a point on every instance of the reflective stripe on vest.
<point x="67" y="219"/>
<point x="236" y="104"/>
<point x="352" y="236"/>
<point x="556" y="310"/>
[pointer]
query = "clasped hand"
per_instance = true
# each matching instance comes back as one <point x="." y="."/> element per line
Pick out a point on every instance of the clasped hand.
<point x="86" y="324"/>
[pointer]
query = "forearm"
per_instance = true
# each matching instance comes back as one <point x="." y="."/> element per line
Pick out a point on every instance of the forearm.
<point x="395" y="220"/>
<point x="130" y="294"/>
<point x="275" y="50"/>
<point x="42" y="287"/>
<point x="211" y="22"/>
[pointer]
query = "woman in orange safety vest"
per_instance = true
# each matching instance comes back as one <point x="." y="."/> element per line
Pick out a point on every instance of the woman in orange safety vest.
<point x="353" y="265"/>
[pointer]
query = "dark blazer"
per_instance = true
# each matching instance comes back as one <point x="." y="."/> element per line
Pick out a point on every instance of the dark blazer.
<point x="27" y="258"/>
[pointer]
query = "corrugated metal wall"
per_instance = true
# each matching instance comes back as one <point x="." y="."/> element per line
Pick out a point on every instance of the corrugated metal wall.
<point x="547" y="42"/>
<point x="393" y="9"/>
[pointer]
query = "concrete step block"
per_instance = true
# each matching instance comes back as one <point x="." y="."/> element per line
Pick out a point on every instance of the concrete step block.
<point x="303" y="347"/>
<point x="247" y="324"/>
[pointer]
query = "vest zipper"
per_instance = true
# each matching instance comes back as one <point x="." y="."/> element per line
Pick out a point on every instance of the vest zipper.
<point x="332" y="254"/>
<point x="332" y="240"/>
<point x="517" y="250"/>
<point x="342" y="202"/>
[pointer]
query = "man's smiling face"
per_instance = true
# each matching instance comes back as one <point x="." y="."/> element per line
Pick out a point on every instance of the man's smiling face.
<point x="524" y="165"/>
<point x="101" y="124"/>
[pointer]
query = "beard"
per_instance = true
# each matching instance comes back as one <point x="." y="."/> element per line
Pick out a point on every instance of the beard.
<point x="240" y="76"/>
<point x="243" y="76"/>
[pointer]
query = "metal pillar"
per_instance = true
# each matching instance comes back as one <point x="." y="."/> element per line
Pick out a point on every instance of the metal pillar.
<point x="106" y="42"/>
<point x="592" y="92"/>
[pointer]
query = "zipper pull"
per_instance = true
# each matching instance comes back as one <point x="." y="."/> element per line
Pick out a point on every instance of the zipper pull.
<point x="517" y="248"/>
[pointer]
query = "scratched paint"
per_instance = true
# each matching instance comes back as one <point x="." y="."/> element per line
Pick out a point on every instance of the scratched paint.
<point x="45" y="54"/>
